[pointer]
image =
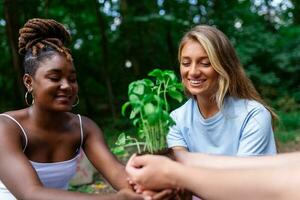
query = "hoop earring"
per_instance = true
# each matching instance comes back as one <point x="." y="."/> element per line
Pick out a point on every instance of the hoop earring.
<point x="26" y="97"/>
<point x="77" y="102"/>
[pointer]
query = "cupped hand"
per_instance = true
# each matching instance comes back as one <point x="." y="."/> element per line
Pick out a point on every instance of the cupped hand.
<point x="150" y="172"/>
<point x="127" y="194"/>
<point x="165" y="194"/>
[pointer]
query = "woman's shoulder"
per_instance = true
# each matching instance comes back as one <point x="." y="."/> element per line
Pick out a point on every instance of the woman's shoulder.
<point x="87" y="123"/>
<point x="84" y="119"/>
<point x="18" y="115"/>
<point x="10" y="124"/>
<point x="246" y="105"/>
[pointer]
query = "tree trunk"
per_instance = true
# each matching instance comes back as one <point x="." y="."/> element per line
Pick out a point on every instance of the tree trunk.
<point x="12" y="30"/>
<point x="171" y="48"/>
<point x="105" y="55"/>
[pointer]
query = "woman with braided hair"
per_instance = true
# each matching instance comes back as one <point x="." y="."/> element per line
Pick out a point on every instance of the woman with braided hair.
<point x="40" y="144"/>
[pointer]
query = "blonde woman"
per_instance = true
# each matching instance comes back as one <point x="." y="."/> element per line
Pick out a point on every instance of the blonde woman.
<point x="225" y="115"/>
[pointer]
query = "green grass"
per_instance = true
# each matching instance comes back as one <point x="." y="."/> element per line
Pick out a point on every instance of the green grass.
<point x="288" y="127"/>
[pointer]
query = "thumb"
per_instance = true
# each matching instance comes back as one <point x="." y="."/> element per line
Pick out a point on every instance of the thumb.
<point x="137" y="161"/>
<point x="130" y="161"/>
<point x="140" y="161"/>
<point x="132" y="168"/>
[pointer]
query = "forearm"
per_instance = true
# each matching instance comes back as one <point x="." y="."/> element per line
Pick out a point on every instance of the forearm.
<point x="118" y="178"/>
<point x="41" y="193"/>
<point x="273" y="184"/>
<point x="230" y="162"/>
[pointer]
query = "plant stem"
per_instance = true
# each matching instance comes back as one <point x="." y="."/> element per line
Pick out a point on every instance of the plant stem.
<point x="165" y="95"/>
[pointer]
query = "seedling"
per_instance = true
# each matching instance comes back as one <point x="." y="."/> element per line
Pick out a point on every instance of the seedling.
<point x="149" y="110"/>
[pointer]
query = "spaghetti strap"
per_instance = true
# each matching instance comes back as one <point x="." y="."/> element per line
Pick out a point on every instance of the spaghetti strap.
<point x="23" y="131"/>
<point x="81" y="130"/>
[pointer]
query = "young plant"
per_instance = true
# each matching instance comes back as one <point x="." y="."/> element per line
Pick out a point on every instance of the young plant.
<point x="150" y="109"/>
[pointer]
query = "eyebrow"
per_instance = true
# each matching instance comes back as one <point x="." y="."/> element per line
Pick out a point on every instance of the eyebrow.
<point x="59" y="71"/>
<point x="187" y="57"/>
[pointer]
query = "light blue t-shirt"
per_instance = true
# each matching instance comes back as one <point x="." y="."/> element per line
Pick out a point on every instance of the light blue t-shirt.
<point x="242" y="127"/>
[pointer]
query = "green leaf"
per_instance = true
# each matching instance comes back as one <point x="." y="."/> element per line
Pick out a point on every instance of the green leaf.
<point x="139" y="89"/>
<point x="155" y="73"/>
<point x="148" y="82"/>
<point x="136" y="121"/>
<point x="118" y="150"/>
<point x="133" y="113"/>
<point x="121" y="139"/>
<point x="149" y="109"/>
<point x="154" y="117"/>
<point x="158" y="74"/>
<point x="133" y="98"/>
<point x="171" y="75"/>
<point x="148" y="98"/>
<point x="141" y="133"/>
<point x="175" y="94"/>
<point x="124" y="107"/>
<point x="178" y="86"/>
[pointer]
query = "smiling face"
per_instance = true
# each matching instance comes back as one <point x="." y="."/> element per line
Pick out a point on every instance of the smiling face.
<point x="54" y="84"/>
<point x="198" y="76"/>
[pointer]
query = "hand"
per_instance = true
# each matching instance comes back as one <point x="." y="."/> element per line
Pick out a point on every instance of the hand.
<point x="150" y="172"/>
<point x="166" y="194"/>
<point x="127" y="194"/>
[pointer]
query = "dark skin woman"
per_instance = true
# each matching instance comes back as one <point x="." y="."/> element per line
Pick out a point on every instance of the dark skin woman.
<point x="40" y="144"/>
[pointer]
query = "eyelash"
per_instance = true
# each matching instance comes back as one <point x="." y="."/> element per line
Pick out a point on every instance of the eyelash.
<point x="56" y="79"/>
<point x="72" y="80"/>
<point x="185" y="64"/>
<point x="204" y="64"/>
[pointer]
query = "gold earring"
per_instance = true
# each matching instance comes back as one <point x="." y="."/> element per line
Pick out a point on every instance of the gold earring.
<point x="77" y="102"/>
<point x="26" y="97"/>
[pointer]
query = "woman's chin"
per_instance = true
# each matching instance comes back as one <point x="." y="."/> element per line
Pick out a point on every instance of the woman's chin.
<point x="63" y="108"/>
<point x="196" y="92"/>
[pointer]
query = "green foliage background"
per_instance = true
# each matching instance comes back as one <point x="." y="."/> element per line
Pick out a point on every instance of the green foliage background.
<point x="118" y="41"/>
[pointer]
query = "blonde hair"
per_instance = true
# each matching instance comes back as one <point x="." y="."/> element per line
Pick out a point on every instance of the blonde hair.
<point x="232" y="80"/>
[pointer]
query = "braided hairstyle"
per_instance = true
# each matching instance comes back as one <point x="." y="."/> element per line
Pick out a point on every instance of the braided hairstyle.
<point x="40" y="39"/>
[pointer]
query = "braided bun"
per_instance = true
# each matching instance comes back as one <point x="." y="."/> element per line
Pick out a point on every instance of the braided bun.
<point x="38" y="34"/>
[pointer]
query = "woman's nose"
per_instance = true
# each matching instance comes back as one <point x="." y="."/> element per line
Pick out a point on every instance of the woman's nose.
<point x="194" y="70"/>
<point x="65" y="84"/>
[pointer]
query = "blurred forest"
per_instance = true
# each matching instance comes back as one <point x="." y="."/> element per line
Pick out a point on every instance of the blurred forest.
<point x="118" y="41"/>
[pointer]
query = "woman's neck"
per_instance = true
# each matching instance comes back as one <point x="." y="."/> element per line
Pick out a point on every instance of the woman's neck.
<point x="207" y="106"/>
<point x="47" y="119"/>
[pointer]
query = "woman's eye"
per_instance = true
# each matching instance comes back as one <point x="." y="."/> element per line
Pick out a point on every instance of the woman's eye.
<point x="73" y="79"/>
<point x="185" y="64"/>
<point x="205" y="64"/>
<point x="54" y="79"/>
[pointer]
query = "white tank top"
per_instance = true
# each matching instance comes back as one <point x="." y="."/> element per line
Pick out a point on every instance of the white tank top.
<point x="52" y="175"/>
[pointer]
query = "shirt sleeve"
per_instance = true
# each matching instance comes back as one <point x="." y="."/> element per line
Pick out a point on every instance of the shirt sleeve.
<point x="257" y="136"/>
<point x="175" y="136"/>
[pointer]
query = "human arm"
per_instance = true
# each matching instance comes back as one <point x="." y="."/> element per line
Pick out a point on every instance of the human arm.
<point x="101" y="157"/>
<point x="276" y="183"/>
<point x="260" y="184"/>
<point x="18" y="175"/>
<point x="106" y="163"/>
<point x="233" y="162"/>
